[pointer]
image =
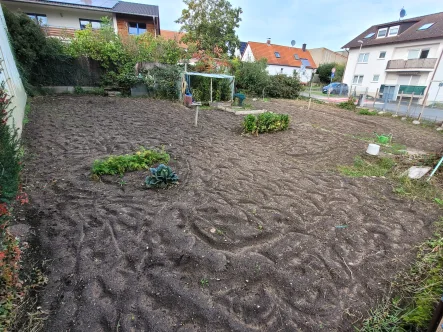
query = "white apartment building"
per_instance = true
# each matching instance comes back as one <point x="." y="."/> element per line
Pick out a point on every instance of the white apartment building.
<point x="399" y="57"/>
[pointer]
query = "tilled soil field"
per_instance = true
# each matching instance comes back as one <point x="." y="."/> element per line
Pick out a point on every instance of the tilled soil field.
<point x="246" y="242"/>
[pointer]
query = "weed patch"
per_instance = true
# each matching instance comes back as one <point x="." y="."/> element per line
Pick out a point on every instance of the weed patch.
<point x="370" y="166"/>
<point x="417" y="291"/>
<point x="142" y="159"/>
<point x="365" y="111"/>
<point x="417" y="189"/>
<point x="348" y="105"/>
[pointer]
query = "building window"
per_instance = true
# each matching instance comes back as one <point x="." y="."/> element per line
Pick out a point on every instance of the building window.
<point x="369" y="35"/>
<point x="137" y="28"/>
<point x="393" y="31"/>
<point x="363" y="58"/>
<point x="85" y="22"/>
<point x="375" y="78"/>
<point x="413" y="54"/>
<point x="382" y="55"/>
<point x="424" y="54"/>
<point x="40" y="19"/>
<point x="296" y="57"/>
<point x="358" y="79"/>
<point x="418" y="54"/>
<point x="426" y="26"/>
<point x="382" y="33"/>
<point x="277" y="55"/>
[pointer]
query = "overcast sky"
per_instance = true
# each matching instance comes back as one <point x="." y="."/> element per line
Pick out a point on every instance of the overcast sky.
<point x="318" y="23"/>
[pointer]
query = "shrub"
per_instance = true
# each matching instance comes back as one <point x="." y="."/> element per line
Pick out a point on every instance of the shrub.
<point x="365" y="111"/>
<point x="348" y="105"/>
<point x="265" y="122"/>
<point x="251" y="76"/>
<point x="161" y="177"/>
<point x="10" y="285"/>
<point x="283" y="86"/>
<point x="142" y="159"/>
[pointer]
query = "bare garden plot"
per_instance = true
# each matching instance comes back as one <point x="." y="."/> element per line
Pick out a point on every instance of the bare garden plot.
<point x="252" y="238"/>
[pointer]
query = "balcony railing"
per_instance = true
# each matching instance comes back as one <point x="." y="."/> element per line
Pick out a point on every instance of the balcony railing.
<point x="418" y="90"/>
<point x="412" y="64"/>
<point x="61" y="32"/>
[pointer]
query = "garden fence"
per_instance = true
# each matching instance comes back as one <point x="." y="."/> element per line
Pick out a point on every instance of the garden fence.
<point x="408" y="103"/>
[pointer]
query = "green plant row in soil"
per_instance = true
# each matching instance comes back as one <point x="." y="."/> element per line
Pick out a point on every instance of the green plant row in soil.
<point x="142" y="159"/>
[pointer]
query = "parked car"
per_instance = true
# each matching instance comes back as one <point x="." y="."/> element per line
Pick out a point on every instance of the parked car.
<point x="336" y="88"/>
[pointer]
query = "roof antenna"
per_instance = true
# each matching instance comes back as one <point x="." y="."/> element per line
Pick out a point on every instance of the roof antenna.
<point x="402" y="13"/>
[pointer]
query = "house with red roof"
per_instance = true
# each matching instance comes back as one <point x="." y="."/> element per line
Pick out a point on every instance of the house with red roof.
<point x="282" y="59"/>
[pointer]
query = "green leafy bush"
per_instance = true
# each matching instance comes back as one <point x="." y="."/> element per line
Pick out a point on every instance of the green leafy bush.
<point x="348" y="105"/>
<point x="142" y="159"/>
<point x="251" y="77"/>
<point x="10" y="285"/>
<point x="283" y="86"/>
<point x="161" y="177"/>
<point x="265" y="122"/>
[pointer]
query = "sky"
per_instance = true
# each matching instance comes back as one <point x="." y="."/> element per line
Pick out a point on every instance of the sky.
<point x="318" y="23"/>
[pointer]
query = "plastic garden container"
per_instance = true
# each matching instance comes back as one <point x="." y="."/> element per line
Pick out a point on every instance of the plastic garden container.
<point x="373" y="149"/>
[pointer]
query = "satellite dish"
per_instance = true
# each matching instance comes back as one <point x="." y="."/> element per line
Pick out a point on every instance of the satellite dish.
<point x="292" y="43"/>
<point x="402" y="13"/>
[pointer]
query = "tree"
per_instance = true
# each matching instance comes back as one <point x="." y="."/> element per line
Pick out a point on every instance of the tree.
<point x="324" y="72"/>
<point x="210" y="24"/>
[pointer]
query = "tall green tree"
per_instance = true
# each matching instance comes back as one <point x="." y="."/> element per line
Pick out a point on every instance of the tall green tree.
<point x="324" y="72"/>
<point x="211" y="24"/>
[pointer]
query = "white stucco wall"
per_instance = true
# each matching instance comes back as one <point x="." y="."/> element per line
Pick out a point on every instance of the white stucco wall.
<point x="436" y="94"/>
<point x="10" y="75"/>
<point x="305" y="76"/>
<point x="377" y="66"/>
<point x="58" y="16"/>
<point x="247" y="55"/>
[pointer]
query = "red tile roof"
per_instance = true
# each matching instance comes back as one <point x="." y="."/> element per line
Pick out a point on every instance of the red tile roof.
<point x="263" y="50"/>
<point x="177" y="36"/>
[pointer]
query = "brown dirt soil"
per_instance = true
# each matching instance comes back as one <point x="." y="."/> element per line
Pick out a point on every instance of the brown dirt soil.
<point x="132" y="259"/>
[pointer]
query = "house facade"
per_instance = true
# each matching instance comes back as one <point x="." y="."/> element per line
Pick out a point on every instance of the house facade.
<point x="401" y="57"/>
<point x="323" y="55"/>
<point x="282" y="59"/>
<point x="63" y="18"/>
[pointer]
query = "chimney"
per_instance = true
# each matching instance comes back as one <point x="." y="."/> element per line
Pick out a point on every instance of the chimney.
<point x="268" y="41"/>
<point x="303" y="48"/>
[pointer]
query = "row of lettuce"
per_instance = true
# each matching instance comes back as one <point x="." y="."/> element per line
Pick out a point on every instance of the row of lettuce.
<point x="104" y="59"/>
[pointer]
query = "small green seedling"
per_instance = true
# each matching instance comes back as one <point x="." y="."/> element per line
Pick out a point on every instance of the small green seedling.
<point x="204" y="282"/>
<point x="260" y="227"/>
<point x="438" y="201"/>
<point x="220" y="232"/>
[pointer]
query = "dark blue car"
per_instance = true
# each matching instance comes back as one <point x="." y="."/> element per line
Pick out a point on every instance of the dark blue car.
<point x="336" y="88"/>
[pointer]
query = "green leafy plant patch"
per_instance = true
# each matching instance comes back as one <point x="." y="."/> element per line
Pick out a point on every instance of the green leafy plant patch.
<point x="142" y="159"/>
<point x="265" y="122"/>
